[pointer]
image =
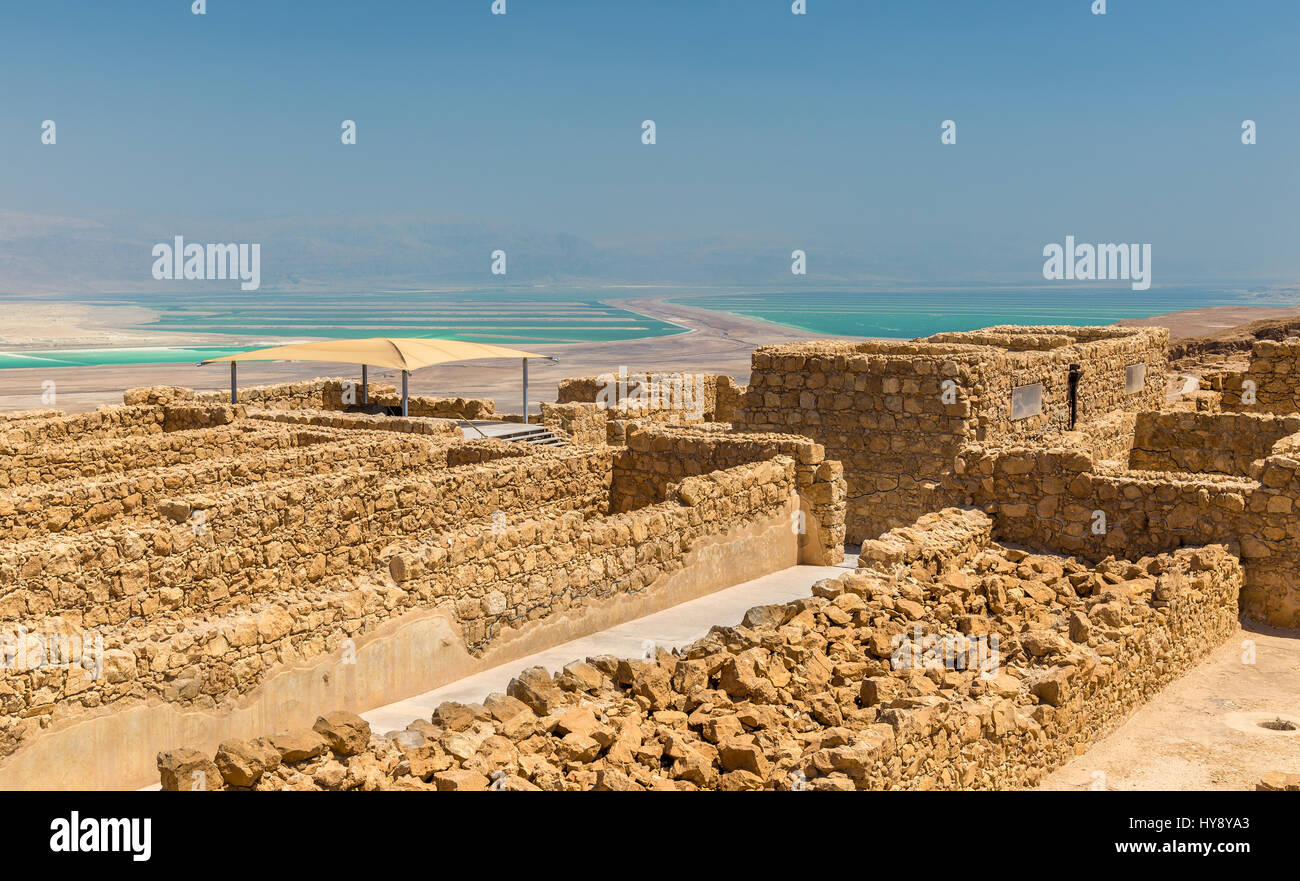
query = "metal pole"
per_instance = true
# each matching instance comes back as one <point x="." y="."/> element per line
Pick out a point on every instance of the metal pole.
<point x="234" y="397"/>
<point x="365" y="399"/>
<point x="525" y="391"/>
<point x="405" y="374"/>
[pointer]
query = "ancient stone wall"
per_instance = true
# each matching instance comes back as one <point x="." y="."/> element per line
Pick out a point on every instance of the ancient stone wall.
<point x="878" y="409"/>
<point x="1055" y="496"/>
<point x="316" y="394"/>
<point x="675" y="398"/>
<point x="583" y="423"/>
<point x="897" y="413"/>
<point x="1197" y="442"/>
<point x="728" y="399"/>
<point x="1272" y="382"/>
<point x="93" y="457"/>
<point x="441" y="408"/>
<point x="865" y="685"/>
<point x="446" y="428"/>
<point x="495" y="579"/>
<point x="657" y="456"/>
<point x="516" y="572"/>
<point x="330" y="394"/>
<point x="185" y="463"/>
<point x="207" y="547"/>
<point x="231" y="542"/>
<point x="106" y="422"/>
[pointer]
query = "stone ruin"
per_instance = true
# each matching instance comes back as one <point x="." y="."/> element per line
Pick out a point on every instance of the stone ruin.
<point x="851" y="688"/>
<point x="183" y="570"/>
<point x="261" y="567"/>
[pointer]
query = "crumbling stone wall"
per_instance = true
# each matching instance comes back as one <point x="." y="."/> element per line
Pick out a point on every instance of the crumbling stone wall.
<point x="1055" y="495"/>
<point x="106" y="422"/>
<point x="317" y="394"/>
<point x="289" y="533"/>
<point x="1197" y="442"/>
<point x="209" y="546"/>
<point x="441" y="408"/>
<point x="445" y="428"/>
<point x="583" y="423"/>
<point x="675" y="398"/>
<point x="657" y="456"/>
<point x="329" y="394"/>
<point x="728" y="399"/>
<point x="204" y="644"/>
<point x="897" y="413"/>
<point x="187" y="463"/>
<point x="572" y="559"/>
<point x="94" y="457"/>
<point x="831" y="692"/>
<point x="1274" y="377"/>
<point x="19" y="415"/>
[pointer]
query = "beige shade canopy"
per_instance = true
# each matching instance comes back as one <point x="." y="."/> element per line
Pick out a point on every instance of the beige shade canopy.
<point x="398" y="353"/>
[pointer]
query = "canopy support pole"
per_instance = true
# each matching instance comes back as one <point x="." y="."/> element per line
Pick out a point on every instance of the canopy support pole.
<point x="405" y="374"/>
<point x="525" y="391"/>
<point x="234" y="396"/>
<point x="365" y="398"/>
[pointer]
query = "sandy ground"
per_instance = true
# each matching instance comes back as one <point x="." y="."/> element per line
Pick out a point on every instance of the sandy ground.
<point x="1197" y="322"/>
<point x="28" y="324"/>
<point x="714" y="343"/>
<point x="1203" y="732"/>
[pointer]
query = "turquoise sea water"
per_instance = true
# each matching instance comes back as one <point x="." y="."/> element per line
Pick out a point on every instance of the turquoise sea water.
<point x="911" y="313"/>
<point x="124" y="355"/>
<point x="534" y="319"/>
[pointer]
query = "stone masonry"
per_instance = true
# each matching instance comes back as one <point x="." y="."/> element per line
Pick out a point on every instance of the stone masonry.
<point x="180" y="551"/>
<point x="852" y="688"/>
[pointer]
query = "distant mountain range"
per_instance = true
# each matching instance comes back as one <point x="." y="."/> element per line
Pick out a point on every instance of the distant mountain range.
<point x="40" y="254"/>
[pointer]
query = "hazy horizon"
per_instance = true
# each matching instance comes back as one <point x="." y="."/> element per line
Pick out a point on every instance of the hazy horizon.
<point x="522" y="132"/>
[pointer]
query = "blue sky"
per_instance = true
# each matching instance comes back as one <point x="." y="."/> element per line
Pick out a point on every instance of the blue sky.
<point x="775" y="131"/>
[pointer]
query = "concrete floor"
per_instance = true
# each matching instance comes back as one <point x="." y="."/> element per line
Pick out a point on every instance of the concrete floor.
<point x="671" y="628"/>
<point x="1203" y="732"/>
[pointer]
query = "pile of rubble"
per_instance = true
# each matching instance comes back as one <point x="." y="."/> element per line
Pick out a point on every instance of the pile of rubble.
<point x="867" y="684"/>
